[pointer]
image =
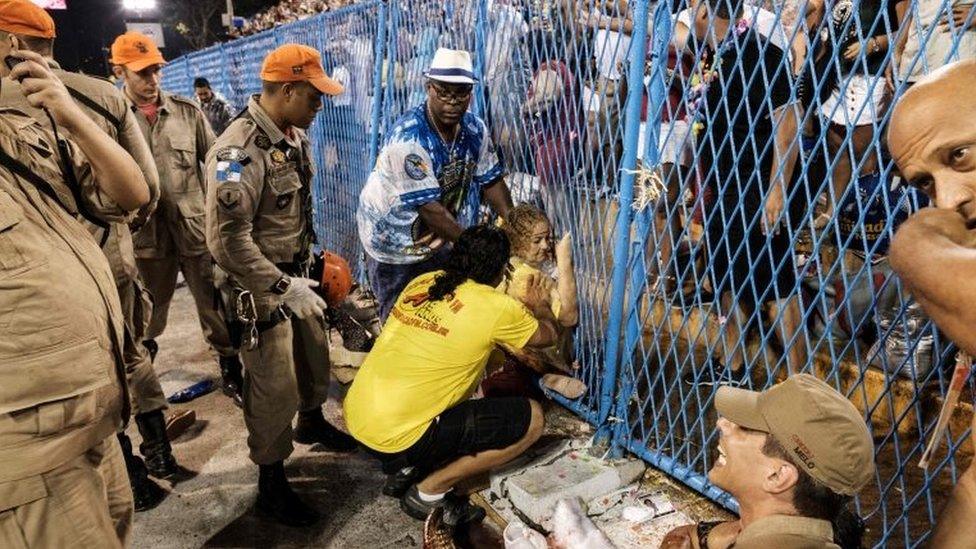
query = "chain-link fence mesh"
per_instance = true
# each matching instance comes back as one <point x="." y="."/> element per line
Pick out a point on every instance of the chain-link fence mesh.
<point x="725" y="179"/>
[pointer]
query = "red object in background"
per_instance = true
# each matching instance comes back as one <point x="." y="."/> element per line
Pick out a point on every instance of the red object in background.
<point x="336" y="278"/>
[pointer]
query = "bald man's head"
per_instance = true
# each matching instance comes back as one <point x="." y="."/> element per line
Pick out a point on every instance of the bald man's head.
<point x="932" y="137"/>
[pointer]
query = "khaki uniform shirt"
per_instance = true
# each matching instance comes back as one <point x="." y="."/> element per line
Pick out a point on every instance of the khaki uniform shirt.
<point x="179" y="141"/>
<point x="786" y="532"/>
<point x="62" y="387"/>
<point x="125" y="131"/>
<point x="259" y="204"/>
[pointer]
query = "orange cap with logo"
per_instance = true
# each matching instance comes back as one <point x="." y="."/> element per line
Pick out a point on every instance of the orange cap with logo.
<point x="135" y="51"/>
<point x="26" y="18"/>
<point x="296" y="63"/>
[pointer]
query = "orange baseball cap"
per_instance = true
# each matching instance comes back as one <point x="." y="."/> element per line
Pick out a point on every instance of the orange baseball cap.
<point x="295" y="63"/>
<point x="135" y="51"/>
<point x="26" y="18"/>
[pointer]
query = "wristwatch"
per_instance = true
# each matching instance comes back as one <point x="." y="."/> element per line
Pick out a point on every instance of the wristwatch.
<point x="281" y="286"/>
<point x="703" y="529"/>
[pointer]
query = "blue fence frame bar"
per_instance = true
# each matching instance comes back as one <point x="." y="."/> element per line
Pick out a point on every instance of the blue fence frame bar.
<point x="635" y="77"/>
<point x="376" y="109"/>
<point x="480" y="65"/>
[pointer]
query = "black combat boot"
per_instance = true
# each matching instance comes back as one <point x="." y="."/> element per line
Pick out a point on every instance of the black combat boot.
<point x="313" y="429"/>
<point x="398" y="483"/>
<point x="146" y="494"/>
<point x="152" y="347"/>
<point x="156" y="449"/>
<point x="277" y="500"/>
<point x="232" y="379"/>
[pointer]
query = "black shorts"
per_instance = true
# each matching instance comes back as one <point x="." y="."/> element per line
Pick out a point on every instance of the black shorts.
<point x="466" y="429"/>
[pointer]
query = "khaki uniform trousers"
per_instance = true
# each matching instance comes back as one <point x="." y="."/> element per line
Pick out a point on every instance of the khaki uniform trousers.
<point x="145" y="391"/>
<point x="288" y="371"/>
<point x="159" y="276"/>
<point x="86" y="503"/>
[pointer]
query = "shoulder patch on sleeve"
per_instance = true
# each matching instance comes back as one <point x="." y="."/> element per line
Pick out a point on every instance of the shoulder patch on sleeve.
<point x="229" y="198"/>
<point x="229" y="166"/>
<point x="415" y="167"/>
<point x="235" y="154"/>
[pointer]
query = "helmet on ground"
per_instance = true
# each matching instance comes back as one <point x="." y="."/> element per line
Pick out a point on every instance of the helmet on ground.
<point x="336" y="278"/>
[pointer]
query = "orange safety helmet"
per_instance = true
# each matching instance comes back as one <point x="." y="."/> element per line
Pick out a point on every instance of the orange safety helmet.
<point x="336" y="278"/>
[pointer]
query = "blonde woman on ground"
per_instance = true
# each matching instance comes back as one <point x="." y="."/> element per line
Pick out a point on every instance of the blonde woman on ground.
<point x="536" y="258"/>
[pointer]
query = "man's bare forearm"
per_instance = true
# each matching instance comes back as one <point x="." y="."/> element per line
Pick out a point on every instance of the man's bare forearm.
<point x="547" y="332"/>
<point x="928" y="255"/>
<point x="566" y="286"/>
<point x="440" y="221"/>
<point x="499" y="197"/>
<point x="956" y="528"/>
<point x="786" y="147"/>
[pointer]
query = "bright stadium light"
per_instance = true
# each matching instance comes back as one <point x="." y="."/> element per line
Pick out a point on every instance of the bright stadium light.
<point x="139" y="5"/>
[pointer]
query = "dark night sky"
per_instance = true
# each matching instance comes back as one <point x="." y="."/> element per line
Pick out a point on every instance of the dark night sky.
<point x="85" y="31"/>
<point x="88" y="27"/>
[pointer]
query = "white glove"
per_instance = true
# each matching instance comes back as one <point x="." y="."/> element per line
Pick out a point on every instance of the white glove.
<point x="302" y="300"/>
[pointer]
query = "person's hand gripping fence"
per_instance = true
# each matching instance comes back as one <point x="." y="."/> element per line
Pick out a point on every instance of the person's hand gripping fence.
<point x="302" y="301"/>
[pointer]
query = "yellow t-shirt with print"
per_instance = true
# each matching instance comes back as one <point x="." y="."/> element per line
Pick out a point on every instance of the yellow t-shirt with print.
<point x="430" y="357"/>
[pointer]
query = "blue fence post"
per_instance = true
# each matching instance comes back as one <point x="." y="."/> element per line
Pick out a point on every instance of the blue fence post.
<point x="621" y="250"/>
<point x="390" y="55"/>
<point x="480" y="63"/>
<point x="377" y="101"/>
<point x="657" y="94"/>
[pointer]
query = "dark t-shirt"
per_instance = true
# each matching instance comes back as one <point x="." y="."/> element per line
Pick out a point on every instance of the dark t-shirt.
<point x="840" y="29"/>
<point x="752" y="78"/>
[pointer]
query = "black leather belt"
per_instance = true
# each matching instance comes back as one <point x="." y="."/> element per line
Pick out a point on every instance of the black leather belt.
<point x="279" y="315"/>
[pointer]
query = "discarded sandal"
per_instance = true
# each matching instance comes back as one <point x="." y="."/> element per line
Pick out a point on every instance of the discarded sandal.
<point x="569" y="387"/>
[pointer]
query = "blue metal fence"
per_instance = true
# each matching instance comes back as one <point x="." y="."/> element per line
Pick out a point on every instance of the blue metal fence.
<point x="608" y="115"/>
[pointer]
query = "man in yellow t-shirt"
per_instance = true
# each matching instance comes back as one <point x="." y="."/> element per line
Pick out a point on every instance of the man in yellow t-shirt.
<point x="410" y="401"/>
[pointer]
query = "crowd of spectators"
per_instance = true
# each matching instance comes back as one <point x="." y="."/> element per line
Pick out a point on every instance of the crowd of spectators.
<point x="286" y="11"/>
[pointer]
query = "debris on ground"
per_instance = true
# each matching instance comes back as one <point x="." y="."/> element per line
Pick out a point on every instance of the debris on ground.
<point x="629" y="504"/>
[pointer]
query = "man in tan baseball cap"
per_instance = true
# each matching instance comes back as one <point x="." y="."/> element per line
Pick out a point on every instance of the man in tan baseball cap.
<point x="793" y="456"/>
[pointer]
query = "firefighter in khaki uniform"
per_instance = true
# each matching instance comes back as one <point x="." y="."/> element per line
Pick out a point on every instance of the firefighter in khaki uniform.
<point x="259" y="229"/>
<point x="173" y="239"/>
<point x="62" y="385"/>
<point x="25" y="25"/>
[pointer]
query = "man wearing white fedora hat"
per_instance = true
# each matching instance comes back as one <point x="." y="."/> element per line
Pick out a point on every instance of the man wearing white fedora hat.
<point x="438" y="163"/>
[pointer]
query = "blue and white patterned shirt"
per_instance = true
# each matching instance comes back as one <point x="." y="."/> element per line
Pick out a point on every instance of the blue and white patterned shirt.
<point x="415" y="168"/>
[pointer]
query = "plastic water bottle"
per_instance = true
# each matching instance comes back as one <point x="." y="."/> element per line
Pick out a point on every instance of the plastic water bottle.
<point x="193" y="391"/>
